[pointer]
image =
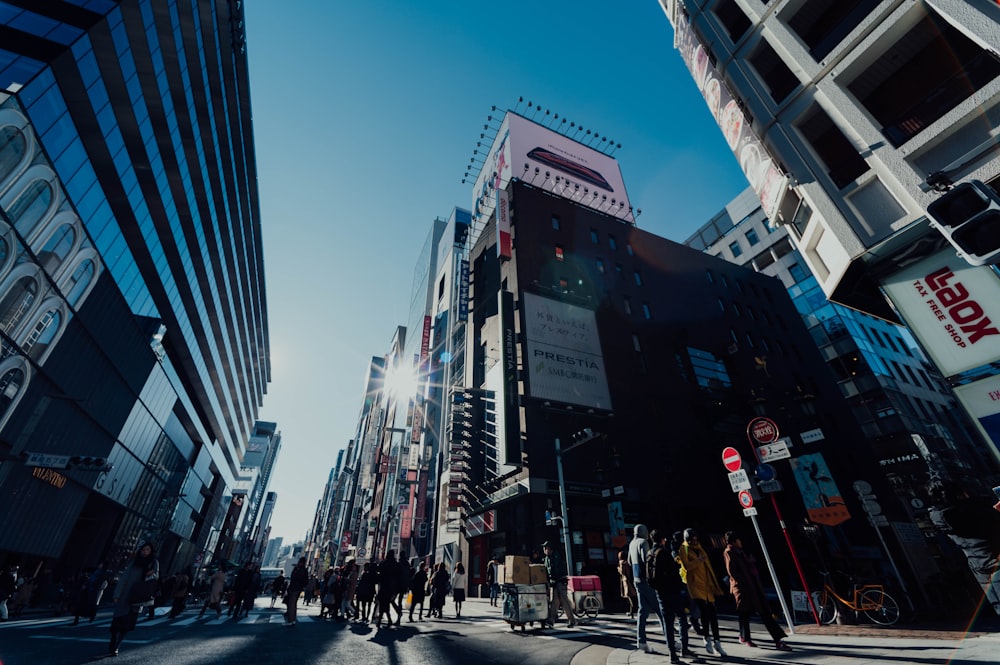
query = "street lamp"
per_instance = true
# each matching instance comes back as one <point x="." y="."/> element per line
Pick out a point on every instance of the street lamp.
<point x="586" y="435"/>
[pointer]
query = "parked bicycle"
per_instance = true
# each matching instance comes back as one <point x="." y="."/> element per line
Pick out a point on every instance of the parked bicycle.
<point x="869" y="599"/>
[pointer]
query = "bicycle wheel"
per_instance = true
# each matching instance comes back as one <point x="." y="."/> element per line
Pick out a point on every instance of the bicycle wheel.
<point x="591" y="606"/>
<point x="826" y="606"/>
<point x="886" y="609"/>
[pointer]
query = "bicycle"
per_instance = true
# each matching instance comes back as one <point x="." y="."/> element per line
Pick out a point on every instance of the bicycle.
<point x="870" y="599"/>
<point x="588" y="606"/>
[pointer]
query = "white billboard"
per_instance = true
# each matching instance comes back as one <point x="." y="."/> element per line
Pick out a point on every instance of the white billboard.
<point x="982" y="400"/>
<point x="953" y="308"/>
<point x="538" y="155"/>
<point x="564" y="359"/>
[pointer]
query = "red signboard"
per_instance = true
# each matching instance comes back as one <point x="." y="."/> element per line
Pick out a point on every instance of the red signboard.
<point x="745" y="499"/>
<point x="763" y="430"/>
<point x="731" y="459"/>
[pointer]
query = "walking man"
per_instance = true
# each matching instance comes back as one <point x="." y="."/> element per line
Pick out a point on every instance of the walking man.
<point x="558" y="580"/>
<point x="638" y="551"/>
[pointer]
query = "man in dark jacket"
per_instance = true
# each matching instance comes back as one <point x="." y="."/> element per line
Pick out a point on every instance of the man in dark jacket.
<point x="558" y="580"/>
<point x="664" y="575"/>
<point x="296" y="583"/>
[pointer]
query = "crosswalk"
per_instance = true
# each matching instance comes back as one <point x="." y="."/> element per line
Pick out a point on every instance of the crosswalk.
<point x="186" y="619"/>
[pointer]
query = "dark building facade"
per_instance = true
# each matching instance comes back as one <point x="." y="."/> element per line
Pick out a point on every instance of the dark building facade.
<point x="665" y="354"/>
<point x="134" y="328"/>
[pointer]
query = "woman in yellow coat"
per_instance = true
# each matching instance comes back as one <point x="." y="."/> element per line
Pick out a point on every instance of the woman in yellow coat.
<point x="703" y="587"/>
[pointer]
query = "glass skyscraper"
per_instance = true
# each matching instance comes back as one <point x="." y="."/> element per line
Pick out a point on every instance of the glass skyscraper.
<point x="134" y="349"/>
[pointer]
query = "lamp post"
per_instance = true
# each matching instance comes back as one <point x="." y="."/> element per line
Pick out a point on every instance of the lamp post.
<point x="584" y="436"/>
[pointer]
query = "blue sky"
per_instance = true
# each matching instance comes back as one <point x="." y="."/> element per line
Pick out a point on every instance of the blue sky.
<point x="365" y="118"/>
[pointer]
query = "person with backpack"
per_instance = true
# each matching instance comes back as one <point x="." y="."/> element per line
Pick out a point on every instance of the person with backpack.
<point x="664" y="575"/>
<point x="746" y="587"/>
<point x="638" y="553"/>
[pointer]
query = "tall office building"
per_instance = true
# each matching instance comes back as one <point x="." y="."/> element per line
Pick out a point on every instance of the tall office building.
<point x="134" y="327"/>
<point x="852" y="121"/>
<point x="904" y="407"/>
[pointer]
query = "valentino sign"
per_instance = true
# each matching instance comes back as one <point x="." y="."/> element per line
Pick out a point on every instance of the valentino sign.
<point x="953" y="308"/>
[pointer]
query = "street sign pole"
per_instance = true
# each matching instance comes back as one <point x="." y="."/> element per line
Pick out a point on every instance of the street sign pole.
<point x="774" y="576"/>
<point x="763" y="431"/>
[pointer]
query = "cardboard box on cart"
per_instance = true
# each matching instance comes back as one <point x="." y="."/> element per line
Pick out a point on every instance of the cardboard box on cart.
<point x="517" y="570"/>
<point x="538" y="573"/>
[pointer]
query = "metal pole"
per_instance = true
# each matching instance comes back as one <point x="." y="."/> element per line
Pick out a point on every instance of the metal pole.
<point x="895" y="568"/>
<point x="788" y="539"/>
<point x="774" y="576"/>
<point x="565" y="510"/>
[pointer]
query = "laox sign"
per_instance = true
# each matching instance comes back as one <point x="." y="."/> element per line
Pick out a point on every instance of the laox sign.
<point x="962" y="309"/>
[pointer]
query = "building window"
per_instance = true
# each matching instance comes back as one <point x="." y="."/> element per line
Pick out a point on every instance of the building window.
<point x="555" y="222"/>
<point x="843" y="163"/>
<point x="441" y="289"/>
<point x="612" y="243"/>
<point x="736" y="310"/>
<point x="821" y="24"/>
<point x="629" y="250"/>
<point x="725" y="282"/>
<point x="732" y="19"/>
<point x="31" y="206"/>
<point x="708" y="273"/>
<point x="635" y="342"/>
<point x="58" y="246"/>
<point x="797" y="273"/>
<point x="722" y="305"/>
<point x="16" y="303"/>
<point x="10" y="385"/>
<point x="645" y="311"/>
<point x="735" y="248"/>
<point x="628" y="305"/>
<point x="600" y="266"/>
<point x="559" y="253"/>
<point x="904" y="347"/>
<point x="928" y="72"/>
<point x="594" y="237"/>
<point x="751" y="237"/>
<point x="619" y="271"/>
<point x="775" y="74"/>
<point x="751" y="314"/>
<point x="13" y="145"/>
<point x="638" y="278"/>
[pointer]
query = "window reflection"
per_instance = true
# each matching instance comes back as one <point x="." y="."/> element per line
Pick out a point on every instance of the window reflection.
<point x="31" y="206"/>
<point x="42" y="334"/>
<point x="57" y="248"/>
<point x="16" y="303"/>
<point x="80" y="281"/>
<point x="10" y="386"/>
<point x="12" y="148"/>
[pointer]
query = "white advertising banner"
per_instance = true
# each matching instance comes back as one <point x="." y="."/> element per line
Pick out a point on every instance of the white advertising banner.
<point x="564" y="362"/>
<point x="982" y="400"/>
<point x="547" y="159"/>
<point x="952" y="307"/>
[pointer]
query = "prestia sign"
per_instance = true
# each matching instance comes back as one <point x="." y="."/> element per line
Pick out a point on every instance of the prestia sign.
<point x="953" y="308"/>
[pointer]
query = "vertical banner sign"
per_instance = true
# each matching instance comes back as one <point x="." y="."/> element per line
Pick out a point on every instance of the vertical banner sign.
<point x="503" y="224"/>
<point x="823" y="500"/>
<point x="508" y="359"/>
<point x="463" y="291"/>
<point x="982" y="400"/>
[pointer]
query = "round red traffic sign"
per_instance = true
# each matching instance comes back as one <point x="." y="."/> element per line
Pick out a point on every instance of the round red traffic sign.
<point x="731" y="459"/>
<point x="763" y="430"/>
<point x="745" y="499"/>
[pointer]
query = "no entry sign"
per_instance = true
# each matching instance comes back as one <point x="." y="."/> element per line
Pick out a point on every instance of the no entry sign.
<point x="731" y="459"/>
<point x="745" y="499"/>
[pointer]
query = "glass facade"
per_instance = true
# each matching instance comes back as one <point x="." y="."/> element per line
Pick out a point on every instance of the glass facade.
<point x="130" y="238"/>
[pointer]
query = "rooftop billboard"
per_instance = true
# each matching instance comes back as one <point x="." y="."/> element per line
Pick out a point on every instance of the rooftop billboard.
<point x="547" y="159"/>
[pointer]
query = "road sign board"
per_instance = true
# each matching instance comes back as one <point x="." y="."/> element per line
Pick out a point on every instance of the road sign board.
<point x="765" y="472"/>
<point x="731" y="459"/>
<point x="47" y="461"/>
<point x="739" y="480"/>
<point x="773" y="452"/>
<point x="763" y="430"/>
<point x="745" y="499"/>
<point x="770" y="486"/>
<point x="747" y="512"/>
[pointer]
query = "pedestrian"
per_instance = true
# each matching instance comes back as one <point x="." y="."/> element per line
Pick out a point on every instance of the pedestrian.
<point x="240" y="586"/>
<point x="388" y="588"/>
<point x="326" y="595"/>
<point x="217" y="584"/>
<point x="405" y="575"/>
<point x="180" y="593"/>
<point x="555" y="566"/>
<point x="348" y="608"/>
<point x="664" y="574"/>
<point x="627" y="583"/>
<point x="278" y="587"/>
<point x="365" y="593"/>
<point x="95" y="583"/>
<point x="134" y="591"/>
<point x="492" y="580"/>
<point x="703" y="587"/>
<point x="458" y="581"/>
<point x="439" y="583"/>
<point x="746" y="587"/>
<point x="418" y="590"/>
<point x="309" y="592"/>
<point x="638" y="552"/>
<point x="296" y="584"/>
<point x="8" y="588"/>
<point x="676" y="540"/>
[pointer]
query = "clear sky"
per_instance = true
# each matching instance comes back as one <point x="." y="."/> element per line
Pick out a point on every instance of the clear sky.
<point x="365" y="118"/>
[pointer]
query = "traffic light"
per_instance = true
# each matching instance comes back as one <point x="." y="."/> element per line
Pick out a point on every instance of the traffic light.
<point x="969" y="217"/>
